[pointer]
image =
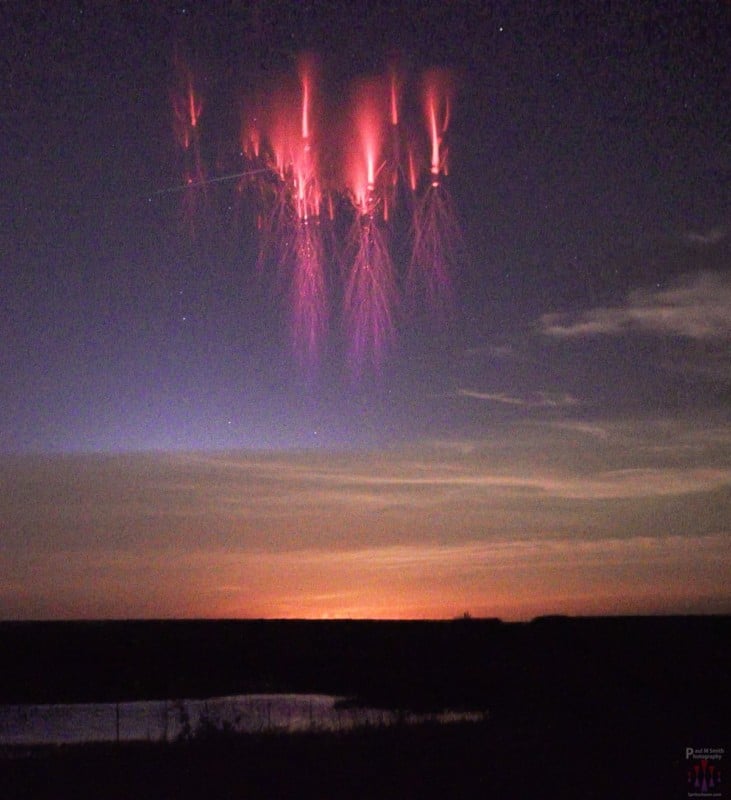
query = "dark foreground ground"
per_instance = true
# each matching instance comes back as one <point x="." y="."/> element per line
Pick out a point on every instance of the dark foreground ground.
<point x="601" y="708"/>
<point x="477" y="760"/>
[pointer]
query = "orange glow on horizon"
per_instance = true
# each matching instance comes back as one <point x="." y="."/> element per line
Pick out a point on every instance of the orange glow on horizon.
<point x="429" y="530"/>
<point x="509" y="608"/>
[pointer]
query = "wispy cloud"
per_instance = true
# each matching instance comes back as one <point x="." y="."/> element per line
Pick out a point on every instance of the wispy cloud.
<point x="470" y="519"/>
<point x="706" y="238"/>
<point x="547" y="550"/>
<point x="695" y="307"/>
<point x="496" y="351"/>
<point x="592" y="429"/>
<point x="537" y="400"/>
<point x="314" y="497"/>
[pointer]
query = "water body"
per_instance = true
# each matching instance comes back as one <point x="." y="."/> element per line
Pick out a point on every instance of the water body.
<point x="168" y="720"/>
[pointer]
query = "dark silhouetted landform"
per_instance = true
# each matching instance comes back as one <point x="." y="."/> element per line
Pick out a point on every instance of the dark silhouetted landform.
<point x="578" y="707"/>
<point x="456" y="663"/>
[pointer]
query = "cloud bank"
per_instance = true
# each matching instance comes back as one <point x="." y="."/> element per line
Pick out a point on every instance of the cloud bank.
<point x="537" y="400"/>
<point x="695" y="307"/>
<point x="532" y="518"/>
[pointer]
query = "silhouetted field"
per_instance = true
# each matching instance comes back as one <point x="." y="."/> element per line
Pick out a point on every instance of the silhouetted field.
<point x="586" y="707"/>
<point x="448" y="762"/>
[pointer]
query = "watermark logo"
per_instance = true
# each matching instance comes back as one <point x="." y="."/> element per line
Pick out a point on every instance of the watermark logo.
<point x="703" y="767"/>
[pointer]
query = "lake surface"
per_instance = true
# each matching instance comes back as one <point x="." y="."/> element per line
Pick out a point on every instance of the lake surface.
<point x="168" y="720"/>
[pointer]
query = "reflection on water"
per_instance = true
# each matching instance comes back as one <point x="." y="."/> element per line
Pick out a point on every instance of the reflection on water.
<point x="167" y="720"/>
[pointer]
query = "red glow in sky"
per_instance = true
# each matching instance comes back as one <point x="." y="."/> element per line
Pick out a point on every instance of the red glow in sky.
<point x="282" y="145"/>
<point x="437" y="102"/>
<point x="391" y="418"/>
<point x="365" y="156"/>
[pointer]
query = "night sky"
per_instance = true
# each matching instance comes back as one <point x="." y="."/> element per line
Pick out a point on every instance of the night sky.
<point x="560" y="444"/>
